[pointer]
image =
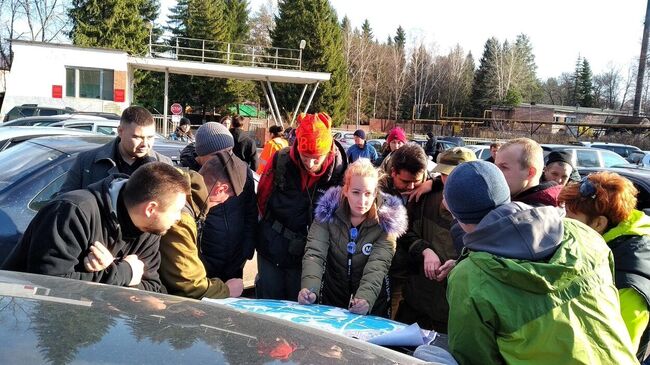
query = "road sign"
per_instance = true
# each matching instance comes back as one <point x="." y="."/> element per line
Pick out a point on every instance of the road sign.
<point x="176" y="109"/>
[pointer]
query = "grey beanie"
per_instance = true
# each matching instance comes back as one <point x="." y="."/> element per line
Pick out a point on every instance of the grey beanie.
<point x="473" y="189"/>
<point x="212" y="137"/>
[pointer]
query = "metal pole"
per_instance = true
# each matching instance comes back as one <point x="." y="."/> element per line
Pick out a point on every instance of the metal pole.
<point x="295" y="112"/>
<point x="166" y="106"/>
<point x="268" y="102"/>
<point x="203" y="51"/>
<point x="311" y="97"/>
<point x="228" y="54"/>
<point x="275" y="104"/>
<point x="150" y="37"/>
<point x="642" y="61"/>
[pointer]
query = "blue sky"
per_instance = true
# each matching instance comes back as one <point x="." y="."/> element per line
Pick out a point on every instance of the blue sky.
<point x="603" y="31"/>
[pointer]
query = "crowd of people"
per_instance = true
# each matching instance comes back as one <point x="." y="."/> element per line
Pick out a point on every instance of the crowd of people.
<point x="511" y="260"/>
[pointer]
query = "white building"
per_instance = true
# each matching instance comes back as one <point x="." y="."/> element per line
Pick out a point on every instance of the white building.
<point x="86" y="79"/>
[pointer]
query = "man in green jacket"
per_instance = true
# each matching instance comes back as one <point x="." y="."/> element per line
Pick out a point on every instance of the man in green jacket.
<point x="531" y="287"/>
<point x="181" y="269"/>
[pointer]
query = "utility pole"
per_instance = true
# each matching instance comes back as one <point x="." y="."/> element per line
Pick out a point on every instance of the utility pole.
<point x="642" y="61"/>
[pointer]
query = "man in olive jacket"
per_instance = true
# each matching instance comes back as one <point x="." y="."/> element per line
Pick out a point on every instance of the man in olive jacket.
<point x="181" y="270"/>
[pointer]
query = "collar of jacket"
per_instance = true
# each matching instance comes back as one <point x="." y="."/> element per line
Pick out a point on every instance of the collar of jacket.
<point x="391" y="214"/>
<point x="637" y="224"/>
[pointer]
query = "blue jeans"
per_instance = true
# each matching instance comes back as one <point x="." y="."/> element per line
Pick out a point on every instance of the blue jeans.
<point x="273" y="282"/>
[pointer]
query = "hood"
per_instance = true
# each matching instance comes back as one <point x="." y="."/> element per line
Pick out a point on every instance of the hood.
<point x="637" y="224"/>
<point x="106" y="191"/>
<point x="197" y="200"/>
<point x="391" y="213"/>
<point x="562" y="253"/>
<point x="518" y="231"/>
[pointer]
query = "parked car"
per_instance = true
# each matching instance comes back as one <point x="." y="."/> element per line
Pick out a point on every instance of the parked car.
<point x="52" y="320"/>
<point x="29" y="110"/>
<point x="103" y="126"/>
<point x="638" y="157"/>
<point x="440" y="145"/>
<point x="12" y="136"/>
<point x="377" y="143"/>
<point x="625" y="150"/>
<point x="345" y="139"/>
<point x="583" y="157"/>
<point x="34" y="171"/>
<point x="639" y="176"/>
<point x="482" y="151"/>
<point x="47" y="120"/>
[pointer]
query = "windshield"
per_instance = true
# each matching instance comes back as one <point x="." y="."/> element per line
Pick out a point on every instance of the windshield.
<point x="613" y="159"/>
<point x="21" y="160"/>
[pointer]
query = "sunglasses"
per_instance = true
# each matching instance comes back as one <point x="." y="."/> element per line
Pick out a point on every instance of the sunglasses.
<point x="587" y="188"/>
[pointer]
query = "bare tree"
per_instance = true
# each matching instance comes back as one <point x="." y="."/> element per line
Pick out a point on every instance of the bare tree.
<point x="262" y="23"/>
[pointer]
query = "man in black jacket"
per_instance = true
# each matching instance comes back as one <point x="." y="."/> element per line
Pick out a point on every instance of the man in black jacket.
<point x="230" y="230"/>
<point x="108" y="233"/>
<point x="129" y="150"/>
<point x="245" y="147"/>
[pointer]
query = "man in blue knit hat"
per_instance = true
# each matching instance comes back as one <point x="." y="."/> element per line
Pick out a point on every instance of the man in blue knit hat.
<point x="361" y="149"/>
<point x="531" y="285"/>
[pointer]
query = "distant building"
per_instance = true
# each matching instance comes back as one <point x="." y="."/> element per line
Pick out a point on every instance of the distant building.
<point x="561" y="114"/>
<point x="86" y="79"/>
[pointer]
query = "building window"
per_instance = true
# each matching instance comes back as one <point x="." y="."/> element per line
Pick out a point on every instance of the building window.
<point x="89" y="83"/>
<point x="70" y="82"/>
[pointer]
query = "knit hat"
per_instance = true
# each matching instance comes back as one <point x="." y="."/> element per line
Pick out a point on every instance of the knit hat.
<point x="360" y="133"/>
<point x="559" y="156"/>
<point x="449" y="159"/>
<point x="313" y="134"/>
<point x="396" y="133"/>
<point x="474" y="189"/>
<point x="212" y="137"/>
<point x="184" y="121"/>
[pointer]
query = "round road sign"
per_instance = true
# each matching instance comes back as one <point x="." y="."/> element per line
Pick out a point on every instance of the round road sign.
<point x="176" y="109"/>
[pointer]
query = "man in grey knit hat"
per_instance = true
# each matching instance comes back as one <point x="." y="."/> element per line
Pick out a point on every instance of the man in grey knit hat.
<point x="230" y="230"/>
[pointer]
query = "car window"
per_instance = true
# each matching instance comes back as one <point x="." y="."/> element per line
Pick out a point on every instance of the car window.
<point x="46" y="112"/>
<point x="104" y="129"/>
<point x="611" y="159"/>
<point x="25" y="112"/>
<point x="588" y="158"/>
<point x="47" y="193"/>
<point x="485" y="154"/>
<point x="21" y="160"/>
<point x="83" y="127"/>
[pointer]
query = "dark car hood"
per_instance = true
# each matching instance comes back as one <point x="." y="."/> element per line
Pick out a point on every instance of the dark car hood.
<point x="70" y="321"/>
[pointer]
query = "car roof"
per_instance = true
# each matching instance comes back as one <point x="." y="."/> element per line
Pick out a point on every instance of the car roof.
<point x="640" y="172"/>
<point x="73" y="321"/>
<point x="55" y="118"/>
<point x="106" y="122"/>
<point x="21" y="131"/>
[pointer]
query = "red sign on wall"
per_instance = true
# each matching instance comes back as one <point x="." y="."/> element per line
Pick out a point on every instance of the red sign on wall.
<point x="118" y="95"/>
<point x="57" y="91"/>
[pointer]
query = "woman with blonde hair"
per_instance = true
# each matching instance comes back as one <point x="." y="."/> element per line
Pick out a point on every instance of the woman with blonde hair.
<point x="606" y="202"/>
<point x="351" y="244"/>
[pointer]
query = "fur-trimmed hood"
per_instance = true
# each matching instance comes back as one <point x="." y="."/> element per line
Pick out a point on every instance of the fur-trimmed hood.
<point x="391" y="213"/>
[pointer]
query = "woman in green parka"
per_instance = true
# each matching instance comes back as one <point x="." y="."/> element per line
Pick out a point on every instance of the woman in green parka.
<point x="605" y="201"/>
<point x="351" y="244"/>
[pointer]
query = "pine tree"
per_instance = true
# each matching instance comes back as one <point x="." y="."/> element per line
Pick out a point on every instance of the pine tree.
<point x="117" y="24"/>
<point x="203" y="20"/>
<point x="400" y="38"/>
<point x="584" y="85"/>
<point x="236" y="14"/>
<point x="366" y="31"/>
<point x="314" y="21"/>
<point x="481" y="95"/>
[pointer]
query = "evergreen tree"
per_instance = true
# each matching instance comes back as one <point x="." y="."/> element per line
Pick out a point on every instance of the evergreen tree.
<point x="481" y="95"/>
<point x="345" y="24"/>
<point x="400" y="38"/>
<point x="314" y="21"/>
<point x="366" y="31"/>
<point x="117" y="24"/>
<point x="203" y="20"/>
<point x="584" y="85"/>
<point x="236" y="14"/>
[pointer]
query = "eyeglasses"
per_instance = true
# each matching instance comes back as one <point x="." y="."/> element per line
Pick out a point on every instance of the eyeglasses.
<point x="587" y="188"/>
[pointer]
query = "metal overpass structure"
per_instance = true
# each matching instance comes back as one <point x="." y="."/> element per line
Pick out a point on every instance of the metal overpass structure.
<point x="199" y="57"/>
